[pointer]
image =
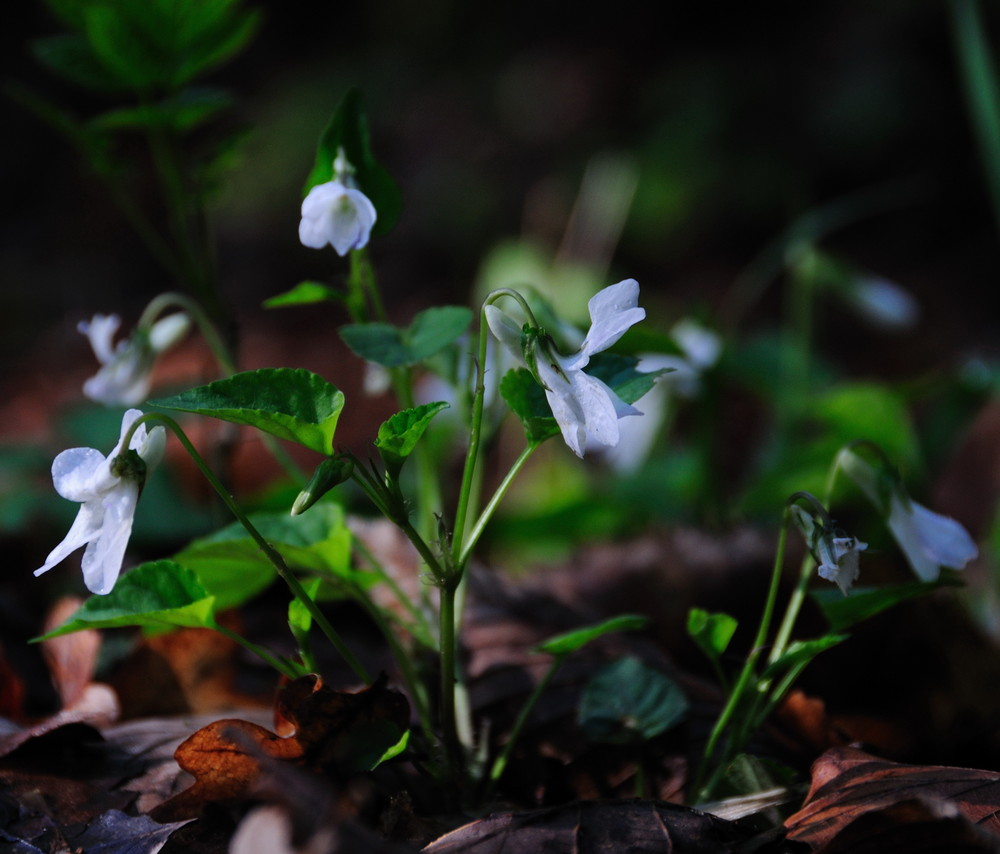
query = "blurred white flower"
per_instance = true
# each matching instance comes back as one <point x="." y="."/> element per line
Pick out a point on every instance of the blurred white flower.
<point x="336" y="214"/>
<point x="884" y="303"/>
<point x="125" y="373"/>
<point x="585" y="408"/>
<point x="928" y="539"/>
<point x="108" y="488"/>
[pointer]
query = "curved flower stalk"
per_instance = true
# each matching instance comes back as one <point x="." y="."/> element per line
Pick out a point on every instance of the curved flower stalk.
<point x="928" y="540"/>
<point x="585" y="408"/>
<point x="108" y="488"/>
<point x="337" y="213"/>
<point x="126" y="368"/>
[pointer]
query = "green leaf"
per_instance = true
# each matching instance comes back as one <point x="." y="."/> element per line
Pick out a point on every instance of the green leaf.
<point x="70" y="56"/>
<point x="305" y="293"/>
<point x="232" y="567"/>
<point x="161" y="593"/>
<point x="393" y="751"/>
<point x="800" y="653"/>
<point x="188" y="110"/>
<point x="299" y="618"/>
<point x="570" y="642"/>
<point x="430" y="332"/>
<point x="289" y="403"/>
<point x="398" y="436"/>
<point x="526" y="398"/>
<point x="348" y="129"/>
<point x="712" y="632"/>
<point x="629" y="702"/>
<point x="621" y="375"/>
<point x="842" y="612"/>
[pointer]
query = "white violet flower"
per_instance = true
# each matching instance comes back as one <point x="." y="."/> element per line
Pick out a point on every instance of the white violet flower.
<point x="336" y="214"/>
<point x="928" y="539"/>
<point x="126" y="369"/>
<point x="838" y="560"/>
<point x="585" y="408"/>
<point x="108" y="488"/>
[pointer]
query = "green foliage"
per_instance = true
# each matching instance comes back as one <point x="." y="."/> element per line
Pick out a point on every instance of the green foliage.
<point x="712" y="632"/>
<point x="799" y="654"/>
<point x="398" y="436"/>
<point x="348" y="130"/>
<point x="629" y="702"/>
<point x="232" y="567"/>
<point x="842" y="612"/>
<point x="289" y="403"/>
<point x="145" y="45"/>
<point x="157" y="594"/>
<point x="570" y="642"/>
<point x="305" y="293"/>
<point x="390" y="346"/>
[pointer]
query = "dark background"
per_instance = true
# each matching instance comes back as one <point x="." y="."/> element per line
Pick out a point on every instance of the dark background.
<point x="738" y="120"/>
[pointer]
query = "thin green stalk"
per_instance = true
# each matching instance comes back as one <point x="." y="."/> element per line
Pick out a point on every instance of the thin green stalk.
<point x="285" y="669"/>
<point x="449" y="666"/>
<point x="982" y="89"/>
<point x="747" y="675"/>
<point x="269" y="551"/>
<point x="500" y="763"/>
<point x="480" y="524"/>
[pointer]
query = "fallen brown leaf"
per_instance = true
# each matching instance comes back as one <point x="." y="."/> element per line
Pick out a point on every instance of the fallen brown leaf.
<point x="848" y="783"/>
<point x="597" y="827"/>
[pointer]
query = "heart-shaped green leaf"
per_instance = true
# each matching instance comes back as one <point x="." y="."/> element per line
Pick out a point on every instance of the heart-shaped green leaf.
<point x="629" y="702"/>
<point x="390" y="346"/>
<point x="398" y="436"/>
<point x="712" y="632"/>
<point x="842" y="612"/>
<point x="290" y="403"/>
<point x="157" y="594"/>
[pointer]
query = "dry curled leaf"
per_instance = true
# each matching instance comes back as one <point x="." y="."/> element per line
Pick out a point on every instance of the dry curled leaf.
<point x="596" y="827"/>
<point x="848" y="783"/>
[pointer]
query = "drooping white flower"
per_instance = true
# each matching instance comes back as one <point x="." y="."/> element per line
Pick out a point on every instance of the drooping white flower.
<point x="108" y="488"/>
<point x="928" y="539"/>
<point x="585" y="408"/>
<point x="336" y="214"/>
<point x="126" y="368"/>
<point x="838" y="560"/>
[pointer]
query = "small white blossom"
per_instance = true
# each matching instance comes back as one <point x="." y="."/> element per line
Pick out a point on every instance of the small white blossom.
<point x="838" y="560"/>
<point x="104" y="522"/>
<point x="336" y="214"/>
<point x="585" y="408"/>
<point x="928" y="539"/>
<point x="126" y="368"/>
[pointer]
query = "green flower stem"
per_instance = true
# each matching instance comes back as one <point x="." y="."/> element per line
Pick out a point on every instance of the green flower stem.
<point x="745" y="682"/>
<point x="269" y="551"/>
<point x="284" y="668"/>
<point x="466" y="491"/>
<point x="363" y="279"/>
<point x="480" y="524"/>
<point x="428" y="502"/>
<point x="500" y="763"/>
<point x="449" y="682"/>
<point x="420" y="628"/>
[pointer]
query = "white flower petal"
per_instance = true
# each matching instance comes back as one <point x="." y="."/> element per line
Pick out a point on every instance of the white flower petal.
<point x="85" y="528"/>
<point x="507" y="332"/>
<point x="943" y="539"/>
<point x="168" y="331"/>
<point x="100" y="330"/>
<point x="612" y="311"/>
<point x="78" y="474"/>
<point x="102" y="561"/>
<point x="338" y="215"/>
